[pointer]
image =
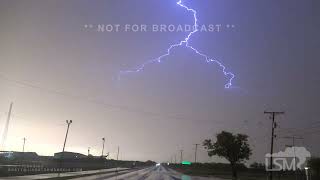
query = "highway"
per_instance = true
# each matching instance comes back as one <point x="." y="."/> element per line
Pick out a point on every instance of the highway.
<point x="66" y="175"/>
<point x="151" y="173"/>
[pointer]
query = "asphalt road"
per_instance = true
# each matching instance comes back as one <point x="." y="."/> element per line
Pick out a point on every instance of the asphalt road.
<point x="152" y="173"/>
<point x="65" y="175"/>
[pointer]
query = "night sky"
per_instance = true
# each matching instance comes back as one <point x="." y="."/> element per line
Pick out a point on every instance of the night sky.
<point x="53" y="68"/>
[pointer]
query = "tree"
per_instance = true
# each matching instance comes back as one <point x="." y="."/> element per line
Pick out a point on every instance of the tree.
<point x="234" y="148"/>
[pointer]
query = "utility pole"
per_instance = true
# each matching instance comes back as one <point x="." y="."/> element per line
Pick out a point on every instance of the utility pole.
<point x="274" y="125"/>
<point x="118" y="153"/>
<point x="181" y="157"/>
<point x="195" y="153"/>
<point x="88" y="151"/>
<point x="65" y="139"/>
<point x="117" y="159"/>
<point x="103" y="141"/>
<point x="5" y="131"/>
<point x="175" y="158"/>
<point x="24" y="143"/>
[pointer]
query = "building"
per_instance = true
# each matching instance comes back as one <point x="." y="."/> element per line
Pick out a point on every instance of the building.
<point x="68" y="155"/>
<point x="18" y="155"/>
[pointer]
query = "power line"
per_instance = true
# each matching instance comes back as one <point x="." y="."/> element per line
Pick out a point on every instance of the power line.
<point x="79" y="97"/>
<point x="307" y="133"/>
<point x="300" y="129"/>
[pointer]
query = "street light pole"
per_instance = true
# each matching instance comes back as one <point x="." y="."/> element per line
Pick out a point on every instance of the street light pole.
<point x="118" y="153"/>
<point x="307" y="173"/>
<point x="24" y="143"/>
<point x="65" y="139"/>
<point x="103" y="141"/>
<point x="195" y="153"/>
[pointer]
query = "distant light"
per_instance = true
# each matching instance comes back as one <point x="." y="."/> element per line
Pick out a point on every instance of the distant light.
<point x="158" y="164"/>
<point x="306" y="168"/>
<point x="168" y="164"/>
<point x="186" y="163"/>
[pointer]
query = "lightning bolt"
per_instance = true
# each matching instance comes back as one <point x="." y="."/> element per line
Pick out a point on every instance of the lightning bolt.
<point x="185" y="43"/>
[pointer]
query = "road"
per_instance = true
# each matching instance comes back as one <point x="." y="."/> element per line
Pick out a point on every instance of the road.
<point x="65" y="175"/>
<point x="151" y="173"/>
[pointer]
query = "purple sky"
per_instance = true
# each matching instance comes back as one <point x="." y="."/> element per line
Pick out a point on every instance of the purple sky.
<point x="54" y="69"/>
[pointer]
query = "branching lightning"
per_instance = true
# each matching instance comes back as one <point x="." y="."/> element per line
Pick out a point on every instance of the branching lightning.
<point x="185" y="43"/>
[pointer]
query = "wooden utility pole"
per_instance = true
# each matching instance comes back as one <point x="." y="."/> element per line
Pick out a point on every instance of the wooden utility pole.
<point x="274" y="125"/>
